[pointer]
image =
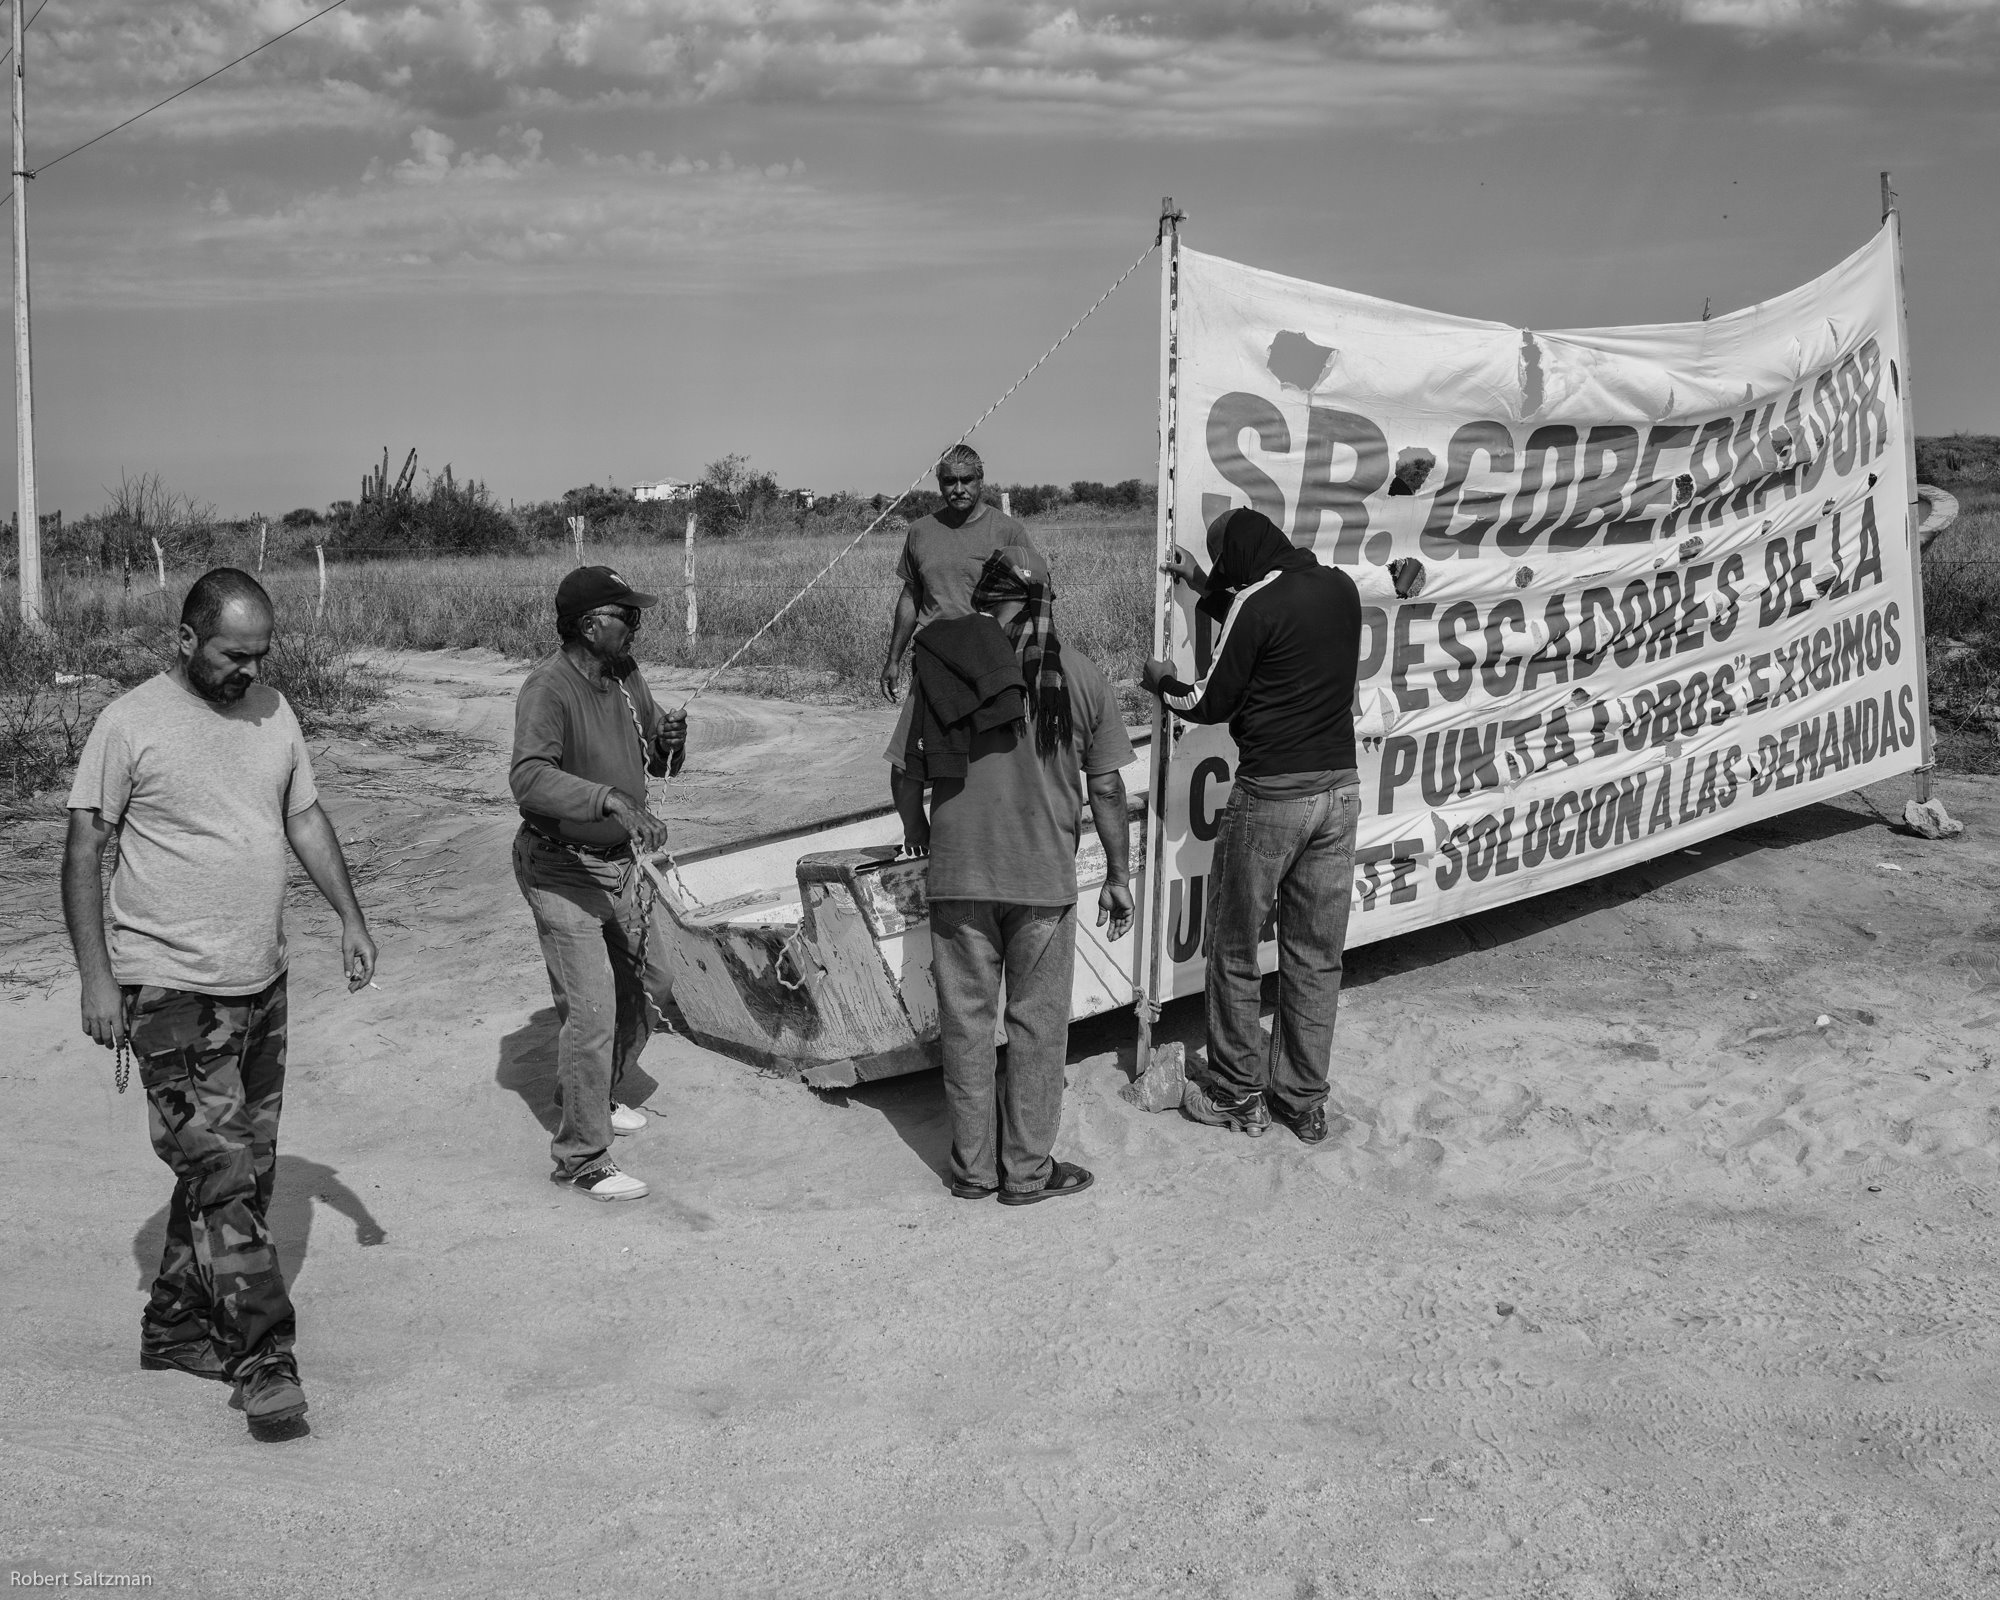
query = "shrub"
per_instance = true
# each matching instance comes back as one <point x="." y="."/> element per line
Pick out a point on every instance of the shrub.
<point x="1029" y="499"/>
<point x="1133" y="494"/>
<point x="450" y="516"/>
<point x="141" y="510"/>
<point x="732" y="498"/>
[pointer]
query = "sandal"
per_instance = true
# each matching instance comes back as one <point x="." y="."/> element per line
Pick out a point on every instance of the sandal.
<point x="1065" y="1178"/>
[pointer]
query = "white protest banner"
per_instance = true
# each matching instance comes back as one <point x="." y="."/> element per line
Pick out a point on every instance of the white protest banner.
<point x="1667" y="577"/>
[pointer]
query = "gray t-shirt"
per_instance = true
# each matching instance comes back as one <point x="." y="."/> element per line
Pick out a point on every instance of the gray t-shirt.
<point x="200" y="793"/>
<point x="1008" y="829"/>
<point x="943" y="564"/>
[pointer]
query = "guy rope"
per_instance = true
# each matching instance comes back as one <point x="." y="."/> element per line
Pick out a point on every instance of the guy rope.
<point x="641" y="868"/>
<point x="854" y="543"/>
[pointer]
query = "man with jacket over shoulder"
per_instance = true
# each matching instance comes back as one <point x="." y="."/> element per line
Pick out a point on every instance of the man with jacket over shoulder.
<point x="1019" y="734"/>
<point x="1282" y="676"/>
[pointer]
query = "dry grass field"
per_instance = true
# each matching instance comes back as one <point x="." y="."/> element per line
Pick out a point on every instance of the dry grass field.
<point x="109" y="633"/>
<point x="1962" y="620"/>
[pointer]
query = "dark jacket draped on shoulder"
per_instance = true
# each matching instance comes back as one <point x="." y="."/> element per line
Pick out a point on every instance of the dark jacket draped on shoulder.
<point x="965" y="678"/>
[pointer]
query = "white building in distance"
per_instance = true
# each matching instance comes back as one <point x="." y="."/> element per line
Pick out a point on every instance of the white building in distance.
<point x="665" y="489"/>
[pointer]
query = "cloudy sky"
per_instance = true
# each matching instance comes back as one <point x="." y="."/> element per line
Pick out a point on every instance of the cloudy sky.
<point x="592" y="240"/>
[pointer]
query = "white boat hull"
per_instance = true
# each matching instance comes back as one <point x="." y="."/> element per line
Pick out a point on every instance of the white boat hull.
<point x="809" y="952"/>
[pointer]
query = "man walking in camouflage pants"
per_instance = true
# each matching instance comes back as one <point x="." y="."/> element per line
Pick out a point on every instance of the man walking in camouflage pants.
<point x="202" y="776"/>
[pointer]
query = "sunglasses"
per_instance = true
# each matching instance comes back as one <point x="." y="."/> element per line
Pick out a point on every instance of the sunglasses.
<point x="629" y="615"/>
<point x="955" y="483"/>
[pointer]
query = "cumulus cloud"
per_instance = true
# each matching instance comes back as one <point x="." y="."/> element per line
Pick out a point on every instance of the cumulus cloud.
<point x="448" y="140"/>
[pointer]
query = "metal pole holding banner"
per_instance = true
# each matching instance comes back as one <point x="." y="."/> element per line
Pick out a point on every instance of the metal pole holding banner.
<point x="1892" y="219"/>
<point x="1152" y="930"/>
<point x="27" y="525"/>
<point x="687" y="581"/>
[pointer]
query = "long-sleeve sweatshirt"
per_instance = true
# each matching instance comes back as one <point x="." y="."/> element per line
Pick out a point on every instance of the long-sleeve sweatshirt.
<point x="574" y="742"/>
<point x="1282" y="675"/>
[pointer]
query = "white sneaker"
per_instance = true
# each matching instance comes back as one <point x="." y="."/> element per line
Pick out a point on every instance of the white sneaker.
<point x="627" y="1119"/>
<point x="606" y="1183"/>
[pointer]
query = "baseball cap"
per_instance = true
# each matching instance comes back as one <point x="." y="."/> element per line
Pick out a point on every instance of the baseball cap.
<point x="587" y="588"/>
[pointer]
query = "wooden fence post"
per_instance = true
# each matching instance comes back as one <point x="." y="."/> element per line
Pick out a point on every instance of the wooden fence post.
<point x="263" y="533"/>
<point x="160" y="561"/>
<point x="1005" y="509"/>
<point x="576" y="525"/>
<point x="687" y="578"/>
<point x="319" y="550"/>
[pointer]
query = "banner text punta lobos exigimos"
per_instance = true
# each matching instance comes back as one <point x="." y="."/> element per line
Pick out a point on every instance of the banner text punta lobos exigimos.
<point x="1667" y="574"/>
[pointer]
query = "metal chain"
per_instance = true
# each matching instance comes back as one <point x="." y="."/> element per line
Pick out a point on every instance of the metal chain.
<point x="637" y="879"/>
<point x="123" y="1070"/>
<point x="854" y="543"/>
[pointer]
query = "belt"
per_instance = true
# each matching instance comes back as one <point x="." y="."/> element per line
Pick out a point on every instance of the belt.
<point x="597" y="852"/>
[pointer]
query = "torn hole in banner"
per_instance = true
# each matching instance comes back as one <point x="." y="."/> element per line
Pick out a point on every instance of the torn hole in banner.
<point x="1375" y="713"/>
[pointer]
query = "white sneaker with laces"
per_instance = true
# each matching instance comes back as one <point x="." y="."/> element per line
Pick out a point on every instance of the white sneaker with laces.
<point x="607" y="1183"/>
<point x="627" y="1119"/>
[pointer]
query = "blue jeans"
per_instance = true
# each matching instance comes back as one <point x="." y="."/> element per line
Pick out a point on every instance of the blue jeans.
<point x="973" y="944"/>
<point x="1296" y="855"/>
<point x="599" y="977"/>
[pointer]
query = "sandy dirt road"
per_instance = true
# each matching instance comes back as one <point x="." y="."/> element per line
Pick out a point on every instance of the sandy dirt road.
<point x="1624" y="1277"/>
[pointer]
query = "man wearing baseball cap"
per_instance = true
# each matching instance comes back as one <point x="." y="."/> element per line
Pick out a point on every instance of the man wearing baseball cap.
<point x="586" y="734"/>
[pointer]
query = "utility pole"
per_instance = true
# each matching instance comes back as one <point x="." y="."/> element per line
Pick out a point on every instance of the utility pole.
<point x="28" y="526"/>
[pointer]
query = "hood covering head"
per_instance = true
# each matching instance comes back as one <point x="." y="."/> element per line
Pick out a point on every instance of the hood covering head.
<point x="1016" y="574"/>
<point x="1245" y="545"/>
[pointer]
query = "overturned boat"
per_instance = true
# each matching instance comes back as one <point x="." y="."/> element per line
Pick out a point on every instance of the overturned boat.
<point x="808" y="951"/>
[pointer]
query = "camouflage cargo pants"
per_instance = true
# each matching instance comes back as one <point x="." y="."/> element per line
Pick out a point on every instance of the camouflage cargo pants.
<point x="213" y="1068"/>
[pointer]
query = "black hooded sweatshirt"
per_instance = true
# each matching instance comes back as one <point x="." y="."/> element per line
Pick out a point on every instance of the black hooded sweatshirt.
<point x="1282" y="675"/>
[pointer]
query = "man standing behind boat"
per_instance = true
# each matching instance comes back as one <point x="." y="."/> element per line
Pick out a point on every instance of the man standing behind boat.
<point x="586" y="734"/>
<point x="943" y="555"/>
<point x="1283" y="679"/>
<point x="1006" y="808"/>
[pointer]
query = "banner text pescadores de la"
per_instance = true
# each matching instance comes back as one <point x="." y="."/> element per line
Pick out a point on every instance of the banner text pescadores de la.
<point x="1666" y="576"/>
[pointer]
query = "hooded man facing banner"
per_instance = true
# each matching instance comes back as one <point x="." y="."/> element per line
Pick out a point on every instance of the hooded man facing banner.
<point x="1282" y="677"/>
<point x="1007" y="797"/>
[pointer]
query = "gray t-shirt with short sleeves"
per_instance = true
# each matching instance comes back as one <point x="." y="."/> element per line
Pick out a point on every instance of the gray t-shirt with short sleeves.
<point x="200" y="793"/>
<point x="943" y="564"/>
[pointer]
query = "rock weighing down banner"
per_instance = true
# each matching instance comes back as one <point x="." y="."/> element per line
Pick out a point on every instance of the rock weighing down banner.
<point x="1663" y="579"/>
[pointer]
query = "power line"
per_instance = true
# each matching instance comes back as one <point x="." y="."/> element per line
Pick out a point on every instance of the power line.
<point x="170" y="99"/>
<point x="4" y="54"/>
